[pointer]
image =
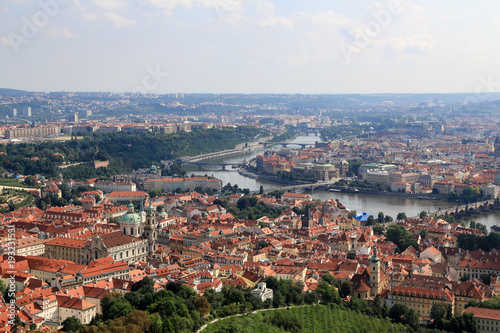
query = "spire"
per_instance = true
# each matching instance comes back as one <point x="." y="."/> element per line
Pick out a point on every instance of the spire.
<point x="374" y="258"/>
<point x="150" y="208"/>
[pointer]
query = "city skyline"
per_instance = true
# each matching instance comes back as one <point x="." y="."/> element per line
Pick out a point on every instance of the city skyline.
<point x="239" y="46"/>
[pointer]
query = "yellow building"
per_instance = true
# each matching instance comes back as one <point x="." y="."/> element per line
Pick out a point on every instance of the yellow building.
<point x="487" y="320"/>
<point x="65" y="248"/>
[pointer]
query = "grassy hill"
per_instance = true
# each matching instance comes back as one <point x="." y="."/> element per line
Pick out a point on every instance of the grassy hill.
<point x="313" y="319"/>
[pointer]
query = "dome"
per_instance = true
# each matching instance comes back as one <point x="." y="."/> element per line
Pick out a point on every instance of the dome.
<point x="162" y="211"/>
<point x="131" y="216"/>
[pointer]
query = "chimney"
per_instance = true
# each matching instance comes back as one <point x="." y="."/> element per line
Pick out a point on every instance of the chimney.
<point x="71" y="296"/>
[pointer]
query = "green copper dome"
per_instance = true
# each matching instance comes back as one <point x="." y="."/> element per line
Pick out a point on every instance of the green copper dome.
<point x="131" y="216"/>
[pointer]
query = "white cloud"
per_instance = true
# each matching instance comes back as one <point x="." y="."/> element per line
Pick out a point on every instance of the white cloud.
<point x="266" y="16"/>
<point x="170" y="5"/>
<point x="55" y="30"/>
<point x="227" y="10"/>
<point x="90" y="16"/>
<point x="120" y="21"/>
<point x="418" y="44"/>
<point x="111" y="4"/>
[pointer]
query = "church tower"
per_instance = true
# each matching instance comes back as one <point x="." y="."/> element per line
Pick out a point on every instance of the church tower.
<point x="375" y="272"/>
<point x="306" y="218"/>
<point x="151" y="229"/>
<point x="496" y="147"/>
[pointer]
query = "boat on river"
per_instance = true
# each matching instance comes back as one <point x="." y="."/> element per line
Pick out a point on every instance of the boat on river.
<point x="245" y="173"/>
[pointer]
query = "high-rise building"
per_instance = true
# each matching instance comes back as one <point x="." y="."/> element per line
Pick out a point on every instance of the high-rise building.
<point x="27" y="111"/>
<point x="13" y="113"/>
<point x="72" y="118"/>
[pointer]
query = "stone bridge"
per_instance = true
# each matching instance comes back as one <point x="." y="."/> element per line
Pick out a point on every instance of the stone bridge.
<point x="223" y="165"/>
<point x="474" y="207"/>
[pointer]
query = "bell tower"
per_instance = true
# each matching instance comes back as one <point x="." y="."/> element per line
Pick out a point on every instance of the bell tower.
<point x="306" y="218"/>
<point x="375" y="272"/>
<point x="496" y="147"/>
<point x="151" y="229"/>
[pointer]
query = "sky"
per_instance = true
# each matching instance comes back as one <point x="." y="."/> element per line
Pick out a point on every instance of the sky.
<point x="250" y="46"/>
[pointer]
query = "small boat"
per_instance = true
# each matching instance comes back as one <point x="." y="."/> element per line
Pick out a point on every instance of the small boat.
<point x="334" y="190"/>
<point x="245" y="173"/>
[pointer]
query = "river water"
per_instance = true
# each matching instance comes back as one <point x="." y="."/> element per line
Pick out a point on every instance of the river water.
<point x="369" y="203"/>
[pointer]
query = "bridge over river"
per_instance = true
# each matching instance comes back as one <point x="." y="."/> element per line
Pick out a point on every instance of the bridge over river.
<point x="474" y="207"/>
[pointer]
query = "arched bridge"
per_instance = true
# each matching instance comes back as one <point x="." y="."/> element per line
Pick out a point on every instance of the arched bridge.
<point x="468" y="208"/>
<point x="223" y="165"/>
<point x="285" y="144"/>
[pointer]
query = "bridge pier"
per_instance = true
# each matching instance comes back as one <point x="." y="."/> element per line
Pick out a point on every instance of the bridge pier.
<point x="199" y="166"/>
<point x="223" y="167"/>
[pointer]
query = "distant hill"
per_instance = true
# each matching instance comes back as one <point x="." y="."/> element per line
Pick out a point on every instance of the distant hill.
<point x="14" y="92"/>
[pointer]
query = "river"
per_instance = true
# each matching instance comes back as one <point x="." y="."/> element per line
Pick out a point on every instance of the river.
<point x="369" y="203"/>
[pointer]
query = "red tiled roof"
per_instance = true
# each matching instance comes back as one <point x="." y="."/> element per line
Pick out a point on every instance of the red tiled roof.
<point x="484" y="313"/>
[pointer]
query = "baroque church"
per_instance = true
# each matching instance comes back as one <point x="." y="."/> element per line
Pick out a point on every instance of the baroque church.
<point x="136" y="240"/>
<point x="371" y="281"/>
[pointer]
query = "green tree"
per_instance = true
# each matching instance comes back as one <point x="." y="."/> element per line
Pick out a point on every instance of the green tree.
<point x="401" y="237"/>
<point x="397" y="312"/>
<point x="332" y="280"/>
<point x="328" y="294"/>
<point x="378" y="229"/>
<point x="437" y="313"/>
<point x="467" y="241"/>
<point x="156" y="323"/>
<point x="380" y="217"/>
<point x="71" y="324"/>
<point x="401" y="216"/>
<point x="424" y="233"/>
<point x="3" y="288"/>
<point x="118" y="307"/>
<point x="423" y="214"/>
<point x="411" y="318"/>
<point x="105" y="301"/>
<point x="345" y="289"/>
<point x="261" y="189"/>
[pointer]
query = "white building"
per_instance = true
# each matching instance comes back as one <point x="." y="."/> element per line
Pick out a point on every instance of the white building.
<point x="262" y="292"/>
<point x="109" y="186"/>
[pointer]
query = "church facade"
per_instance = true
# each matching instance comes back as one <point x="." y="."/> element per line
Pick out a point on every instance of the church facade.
<point x="134" y="242"/>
